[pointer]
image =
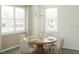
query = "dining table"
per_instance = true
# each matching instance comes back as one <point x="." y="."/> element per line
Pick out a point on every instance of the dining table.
<point x="40" y="44"/>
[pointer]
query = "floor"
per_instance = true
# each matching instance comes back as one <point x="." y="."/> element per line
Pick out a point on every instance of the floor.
<point x="17" y="51"/>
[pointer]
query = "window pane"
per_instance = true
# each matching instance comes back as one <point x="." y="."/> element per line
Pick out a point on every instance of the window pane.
<point x="20" y="24"/>
<point x="19" y="13"/>
<point x="51" y="13"/>
<point x="51" y="19"/>
<point x="7" y="25"/>
<point x="7" y="12"/>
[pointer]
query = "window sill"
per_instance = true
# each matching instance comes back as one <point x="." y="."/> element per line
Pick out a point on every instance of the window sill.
<point x="18" y="32"/>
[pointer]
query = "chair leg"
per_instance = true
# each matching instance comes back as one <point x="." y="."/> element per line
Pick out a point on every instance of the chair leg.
<point x="59" y="51"/>
<point x="53" y="50"/>
<point x="56" y="51"/>
<point x="49" y="49"/>
<point x="62" y="50"/>
<point x="21" y="52"/>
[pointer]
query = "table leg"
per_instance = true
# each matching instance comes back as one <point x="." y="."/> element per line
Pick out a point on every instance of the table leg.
<point x="40" y="49"/>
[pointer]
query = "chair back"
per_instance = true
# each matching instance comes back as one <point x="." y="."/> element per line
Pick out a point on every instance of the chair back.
<point x="24" y="46"/>
<point x="60" y="43"/>
<point x="22" y="36"/>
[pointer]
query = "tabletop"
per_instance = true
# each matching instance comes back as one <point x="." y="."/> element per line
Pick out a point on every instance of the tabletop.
<point x="43" y="41"/>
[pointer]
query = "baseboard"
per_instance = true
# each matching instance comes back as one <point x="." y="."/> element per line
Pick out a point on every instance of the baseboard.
<point x="10" y="48"/>
<point x="71" y="49"/>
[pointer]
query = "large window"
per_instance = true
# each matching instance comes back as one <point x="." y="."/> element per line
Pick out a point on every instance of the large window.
<point x="51" y="20"/>
<point x="20" y="18"/>
<point x="12" y="19"/>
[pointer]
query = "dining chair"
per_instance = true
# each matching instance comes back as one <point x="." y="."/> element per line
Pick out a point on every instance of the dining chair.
<point x="24" y="46"/>
<point x="57" y="47"/>
<point x="22" y="36"/>
<point x="47" y="36"/>
<point x="33" y="38"/>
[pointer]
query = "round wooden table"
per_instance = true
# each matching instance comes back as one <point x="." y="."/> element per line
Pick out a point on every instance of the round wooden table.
<point x="40" y="43"/>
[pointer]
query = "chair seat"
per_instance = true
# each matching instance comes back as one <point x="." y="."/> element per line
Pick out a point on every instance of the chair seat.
<point x="25" y="47"/>
<point x="57" y="47"/>
<point x="30" y="50"/>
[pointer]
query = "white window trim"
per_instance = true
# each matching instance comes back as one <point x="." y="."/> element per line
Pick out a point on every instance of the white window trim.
<point x="15" y="31"/>
<point x="6" y="33"/>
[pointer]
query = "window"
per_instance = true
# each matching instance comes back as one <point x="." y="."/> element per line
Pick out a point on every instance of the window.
<point x="13" y="19"/>
<point x="7" y="19"/>
<point x="51" y="20"/>
<point x="19" y="19"/>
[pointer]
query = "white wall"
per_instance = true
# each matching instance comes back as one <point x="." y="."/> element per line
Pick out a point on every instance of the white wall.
<point x="37" y="19"/>
<point x="68" y="25"/>
<point x="26" y="19"/>
<point x="0" y="32"/>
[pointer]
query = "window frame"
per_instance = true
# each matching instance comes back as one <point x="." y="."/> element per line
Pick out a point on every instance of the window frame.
<point x="53" y="25"/>
<point x="14" y="30"/>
